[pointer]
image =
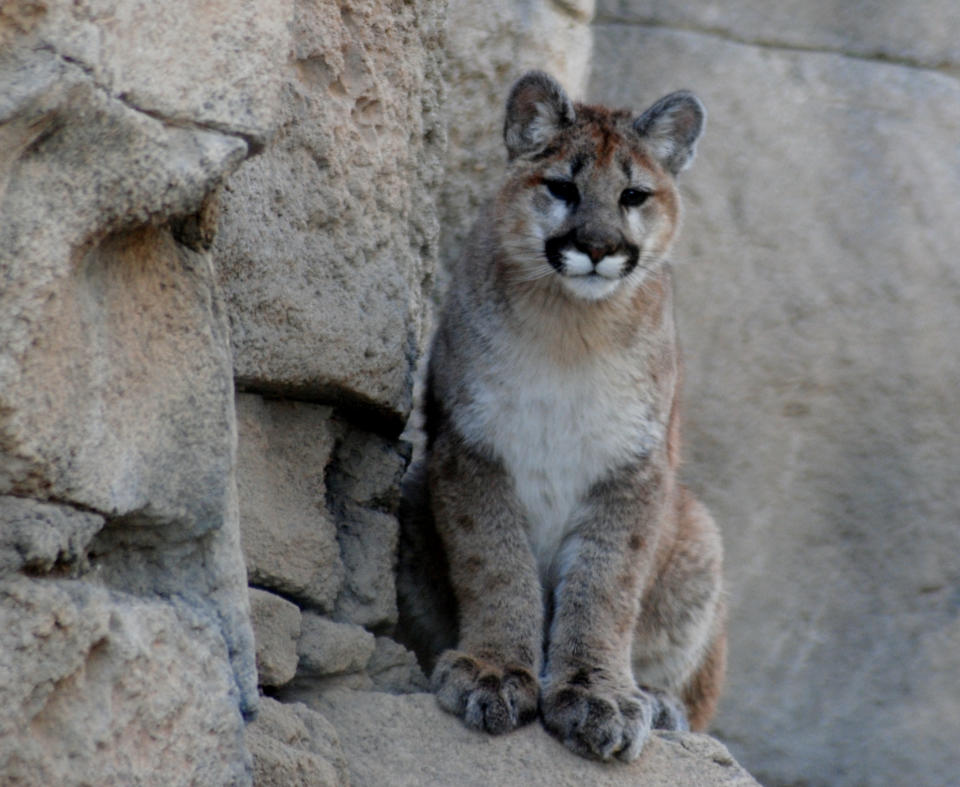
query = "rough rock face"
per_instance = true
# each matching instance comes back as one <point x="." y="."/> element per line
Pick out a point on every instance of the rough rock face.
<point x="289" y="537"/>
<point x="881" y="29"/>
<point x="327" y="239"/>
<point x="408" y="741"/>
<point x="277" y="626"/>
<point x="817" y="300"/>
<point x="198" y="199"/>
<point x="293" y="746"/>
<point x="117" y="426"/>
<point x="106" y="683"/>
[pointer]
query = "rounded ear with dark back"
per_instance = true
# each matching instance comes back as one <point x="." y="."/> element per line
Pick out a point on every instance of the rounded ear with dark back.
<point x="671" y="128"/>
<point x="537" y="109"/>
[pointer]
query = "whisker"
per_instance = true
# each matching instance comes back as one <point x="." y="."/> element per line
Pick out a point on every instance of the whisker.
<point x="533" y="275"/>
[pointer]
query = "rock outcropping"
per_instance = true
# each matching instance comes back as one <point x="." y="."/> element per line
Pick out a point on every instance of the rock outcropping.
<point x="222" y="230"/>
<point x="818" y="283"/>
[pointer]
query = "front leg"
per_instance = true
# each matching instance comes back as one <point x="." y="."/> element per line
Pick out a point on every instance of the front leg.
<point x="490" y="681"/>
<point x="590" y="698"/>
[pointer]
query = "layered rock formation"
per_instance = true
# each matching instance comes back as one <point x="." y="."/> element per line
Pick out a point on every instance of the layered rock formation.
<point x="221" y="229"/>
<point x="123" y="584"/>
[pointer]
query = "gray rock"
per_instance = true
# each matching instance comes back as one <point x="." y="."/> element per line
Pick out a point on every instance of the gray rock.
<point x="113" y="391"/>
<point x="368" y="545"/>
<point x="363" y="480"/>
<point x="293" y="746"/>
<point x="37" y="536"/>
<point x="276" y="631"/>
<point x="817" y="301"/>
<point x="94" y="684"/>
<point x="927" y="34"/>
<point x="327" y="647"/>
<point x="367" y="469"/>
<point x="289" y="538"/>
<point x="327" y="240"/>
<point x="408" y="740"/>
<point x="134" y="51"/>
<point x="206" y="575"/>
<point x="393" y="668"/>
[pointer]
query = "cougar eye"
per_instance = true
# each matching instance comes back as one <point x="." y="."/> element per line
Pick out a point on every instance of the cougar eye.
<point x="630" y="198"/>
<point x="565" y="190"/>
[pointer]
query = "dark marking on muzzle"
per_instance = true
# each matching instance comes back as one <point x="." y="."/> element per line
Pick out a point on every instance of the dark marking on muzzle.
<point x="594" y="247"/>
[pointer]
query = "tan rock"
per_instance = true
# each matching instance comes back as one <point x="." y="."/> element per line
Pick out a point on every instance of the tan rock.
<point x="817" y="301"/>
<point x="293" y="746"/>
<point x="289" y="538"/>
<point x="327" y="647"/>
<point x="146" y="54"/>
<point x="38" y="536"/>
<point x="408" y="740"/>
<point x="276" y="631"/>
<point x="393" y="668"/>
<point x="328" y="239"/>
<point x="94" y="684"/>
<point x="115" y="394"/>
<point x="112" y="387"/>
<point x="927" y="34"/>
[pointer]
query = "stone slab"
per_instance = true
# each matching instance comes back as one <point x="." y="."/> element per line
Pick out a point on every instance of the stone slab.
<point x="327" y="647"/>
<point x="289" y="538"/>
<point x="925" y="33"/>
<point x="293" y="746"/>
<point x="818" y="284"/>
<point x="38" y="536"/>
<point x="407" y="741"/>
<point x="115" y="364"/>
<point x="276" y="631"/>
<point x="135" y="52"/>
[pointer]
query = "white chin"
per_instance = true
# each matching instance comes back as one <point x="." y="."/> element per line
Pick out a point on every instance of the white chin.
<point x="590" y="288"/>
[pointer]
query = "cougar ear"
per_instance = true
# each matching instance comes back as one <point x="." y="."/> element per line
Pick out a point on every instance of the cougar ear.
<point x="671" y="128"/>
<point x="536" y="110"/>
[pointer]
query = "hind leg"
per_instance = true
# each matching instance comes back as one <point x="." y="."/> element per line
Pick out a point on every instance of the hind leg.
<point x="679" y="642"/>
<point x="702" y="691"/>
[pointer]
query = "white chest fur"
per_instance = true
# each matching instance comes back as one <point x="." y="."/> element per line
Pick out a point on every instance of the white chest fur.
<point x="558" y="430"/>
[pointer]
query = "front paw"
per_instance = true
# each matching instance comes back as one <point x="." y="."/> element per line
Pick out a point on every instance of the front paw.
<point x="485" y="696"/>
<point x="669" y="713"/>
<point x="599" y="722"/>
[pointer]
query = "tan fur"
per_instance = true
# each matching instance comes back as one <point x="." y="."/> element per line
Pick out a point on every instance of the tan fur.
<point x="549" y="559"/>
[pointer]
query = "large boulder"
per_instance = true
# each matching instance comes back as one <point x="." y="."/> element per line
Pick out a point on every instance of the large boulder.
<point x="293" y="746"/>
<point x="915" y="35"/>
<point x="327" y="239"/>
<point x="117" y="426"/>
<point x="289" y="537"/>
<point x="817" y="301"/>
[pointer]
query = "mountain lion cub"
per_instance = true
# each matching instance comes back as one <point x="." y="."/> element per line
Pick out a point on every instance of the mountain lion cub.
<point x="550" y="559"/>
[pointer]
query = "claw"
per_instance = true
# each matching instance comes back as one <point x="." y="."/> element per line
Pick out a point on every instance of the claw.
<point x="486" y="697"/>
<point x="599" y="725"/>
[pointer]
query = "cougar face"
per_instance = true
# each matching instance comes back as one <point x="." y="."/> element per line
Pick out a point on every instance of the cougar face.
<point x="593" y="210"/>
